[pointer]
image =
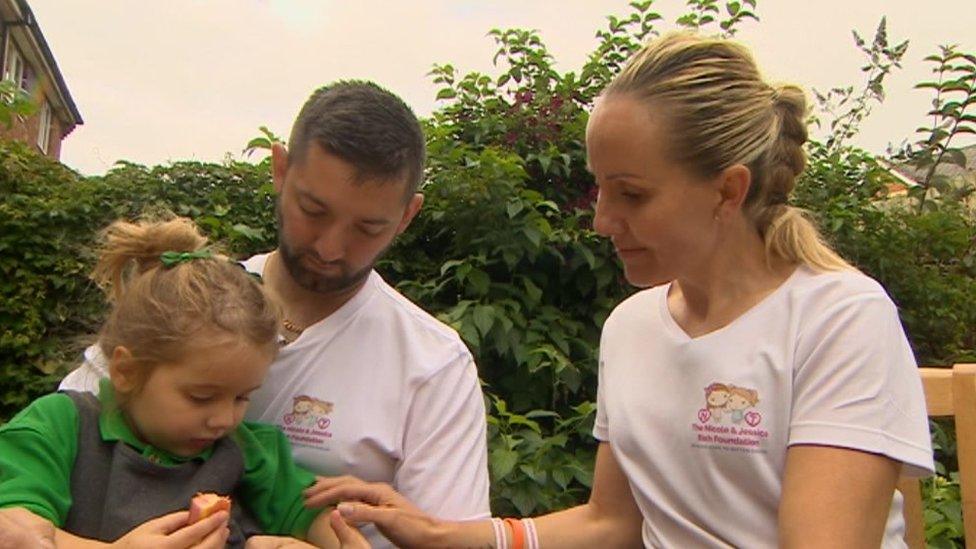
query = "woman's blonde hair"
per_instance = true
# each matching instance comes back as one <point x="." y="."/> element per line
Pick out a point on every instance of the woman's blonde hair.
<point x="159" y="311"/>
<point x="721" y="112"/>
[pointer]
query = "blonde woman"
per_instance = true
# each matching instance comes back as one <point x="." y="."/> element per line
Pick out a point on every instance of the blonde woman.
<point x="695" y="157"/>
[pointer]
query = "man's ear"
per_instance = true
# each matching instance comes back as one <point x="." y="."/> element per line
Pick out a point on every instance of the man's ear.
<point x="279" y="166"/>
<point x="410" y="212"/>
<point x="123" y="370"/>
<point x="733" y="187"/>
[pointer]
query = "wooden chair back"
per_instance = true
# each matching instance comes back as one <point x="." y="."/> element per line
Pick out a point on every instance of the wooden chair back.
<point x="948" y="393"/>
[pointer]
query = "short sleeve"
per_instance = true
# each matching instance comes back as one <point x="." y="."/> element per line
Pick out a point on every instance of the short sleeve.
<point x="272" y="485"/>
<point x="601" y="425"/>
<point x="444" y="469"/>
<point x="37" y="455"/>
<point x="601" y="430"/>
<point x="856" y="384"/>
<point x="87" y="376"/>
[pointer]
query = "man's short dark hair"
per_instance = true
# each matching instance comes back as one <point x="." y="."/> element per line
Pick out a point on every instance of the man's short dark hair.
<point x="366" y="126"/>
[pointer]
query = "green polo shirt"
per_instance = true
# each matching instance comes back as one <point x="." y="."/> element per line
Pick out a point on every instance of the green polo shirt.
<point x="38" y="448"/>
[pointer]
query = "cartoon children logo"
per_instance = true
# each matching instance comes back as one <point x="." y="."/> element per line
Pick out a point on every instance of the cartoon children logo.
<point x="730" y="402"/>
<point x="716" y="401"/>
<point x="740" y="401"/>
<point x="309" y="412"/>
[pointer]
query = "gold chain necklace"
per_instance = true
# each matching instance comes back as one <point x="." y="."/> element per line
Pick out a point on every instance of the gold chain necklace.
<point x="292" y="327"/>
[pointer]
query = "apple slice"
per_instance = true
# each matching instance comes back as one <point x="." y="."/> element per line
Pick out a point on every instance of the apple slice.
<point x="204" y="505"/>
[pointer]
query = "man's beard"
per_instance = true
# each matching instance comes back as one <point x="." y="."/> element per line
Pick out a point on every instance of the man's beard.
<point x="311" y="280"/>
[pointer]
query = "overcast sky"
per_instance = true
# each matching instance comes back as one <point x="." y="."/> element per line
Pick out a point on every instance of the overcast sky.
<point x="160" y="81"/>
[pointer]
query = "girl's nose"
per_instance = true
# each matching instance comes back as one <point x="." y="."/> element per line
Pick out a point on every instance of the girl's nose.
<point x="222" y="418"/>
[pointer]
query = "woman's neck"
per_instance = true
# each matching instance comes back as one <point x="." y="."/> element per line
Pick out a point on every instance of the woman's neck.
<point x="734" y="278"/>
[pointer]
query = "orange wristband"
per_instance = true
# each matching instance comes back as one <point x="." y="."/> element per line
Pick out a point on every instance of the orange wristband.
<point x="518" y="533"/>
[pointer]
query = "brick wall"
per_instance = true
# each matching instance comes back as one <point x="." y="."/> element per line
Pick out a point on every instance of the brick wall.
<point x="27" y="129"/>
<point x="54" y="138"/>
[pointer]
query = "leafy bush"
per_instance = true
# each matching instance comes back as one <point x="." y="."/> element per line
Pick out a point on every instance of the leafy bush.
<point x="15" y="104"/>
<point x="49" y="217"/>
<point x="44" y="236"/>
<point x="925" y="259"/>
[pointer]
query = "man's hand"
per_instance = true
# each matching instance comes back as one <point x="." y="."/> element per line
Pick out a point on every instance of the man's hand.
<point x="21" y="529"/>
<point x="172" y="532"/>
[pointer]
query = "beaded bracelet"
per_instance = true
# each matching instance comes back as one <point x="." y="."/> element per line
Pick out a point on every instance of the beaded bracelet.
<point x="531" y="535"/>
<point x="501" y="540"/>
<point x="518" y="533"/>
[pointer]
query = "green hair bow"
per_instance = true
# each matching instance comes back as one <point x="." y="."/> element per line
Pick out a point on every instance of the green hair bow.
<point x="172" y="259"/>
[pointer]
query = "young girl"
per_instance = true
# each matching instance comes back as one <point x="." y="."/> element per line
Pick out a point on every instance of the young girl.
<point x="189" y="336"/>
<point x="695" y="156"/>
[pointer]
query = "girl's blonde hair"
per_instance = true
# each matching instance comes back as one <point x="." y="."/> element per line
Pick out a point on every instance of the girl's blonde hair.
<point x="159" y="312"/>
<point x="721" y="112"/>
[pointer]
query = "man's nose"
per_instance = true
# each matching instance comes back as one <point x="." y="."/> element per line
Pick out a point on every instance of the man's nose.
<point x="330" y="243"/>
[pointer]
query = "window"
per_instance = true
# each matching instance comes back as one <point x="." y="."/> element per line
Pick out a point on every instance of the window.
<point x="13" y="65"/>
<point x="44" y="127"/>
<point x="15" y="70"/>
<point x="26" y="78"/>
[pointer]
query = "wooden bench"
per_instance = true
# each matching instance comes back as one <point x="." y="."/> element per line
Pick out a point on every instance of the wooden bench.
<point x="948" y="393"/>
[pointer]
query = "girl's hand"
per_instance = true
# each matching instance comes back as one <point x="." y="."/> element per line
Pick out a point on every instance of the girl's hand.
<point x="21" y="529"/>
<point x="171" y="532"/>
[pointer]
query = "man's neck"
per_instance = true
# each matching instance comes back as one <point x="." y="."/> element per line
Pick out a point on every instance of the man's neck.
<point x="300" y="305"/>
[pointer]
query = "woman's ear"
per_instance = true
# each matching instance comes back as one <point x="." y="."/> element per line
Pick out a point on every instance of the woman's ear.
<point x="122" y="370"/>
<point x="733" y="186"/>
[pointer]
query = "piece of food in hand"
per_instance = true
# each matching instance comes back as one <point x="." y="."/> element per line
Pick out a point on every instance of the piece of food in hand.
<point x="204" y="505"/>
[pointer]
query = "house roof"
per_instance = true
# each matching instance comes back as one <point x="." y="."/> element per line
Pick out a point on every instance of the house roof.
<point x="948" y="169"/>
<point x="16" y="15"/>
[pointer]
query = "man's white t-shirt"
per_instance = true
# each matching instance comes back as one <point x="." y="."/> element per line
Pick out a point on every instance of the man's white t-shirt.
<point x="700" y="426"/>
<point x="380" y="390"/>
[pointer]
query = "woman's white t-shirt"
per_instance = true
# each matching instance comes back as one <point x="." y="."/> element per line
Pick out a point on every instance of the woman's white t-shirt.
<point x="700" y="426"/>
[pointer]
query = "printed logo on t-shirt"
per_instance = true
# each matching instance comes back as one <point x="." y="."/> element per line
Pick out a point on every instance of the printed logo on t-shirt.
<point x="308" y="422"/>
<point x="730" y="419"/>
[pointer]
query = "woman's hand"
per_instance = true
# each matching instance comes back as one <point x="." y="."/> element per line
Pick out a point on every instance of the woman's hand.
<point x="21" y="529"/>
<point x="349" y="538"/>
<point x="334" y="490"/>
<point x="172" y="532"/>
<point x="276" y="542"/>
<point x="396" y="518"/>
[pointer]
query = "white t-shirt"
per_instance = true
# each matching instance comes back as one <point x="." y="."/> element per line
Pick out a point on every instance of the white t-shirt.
<point x="380" y="390"/>
<point x="700" y="426"/>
